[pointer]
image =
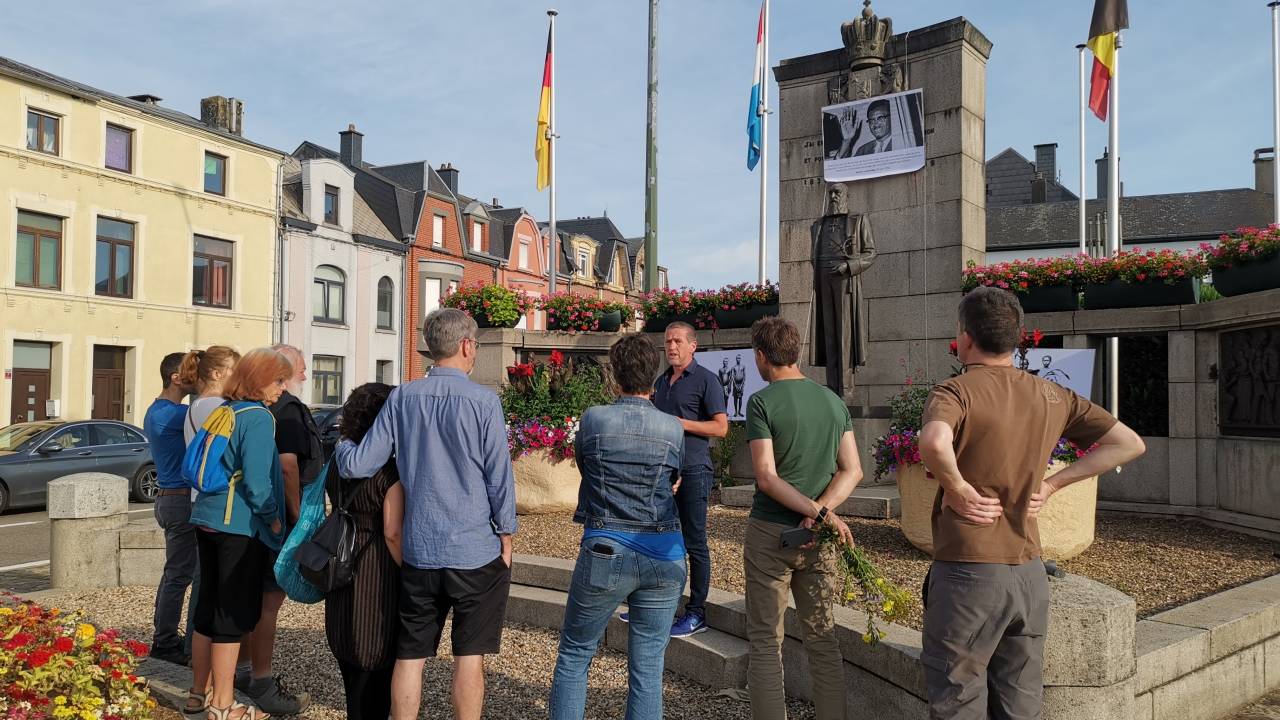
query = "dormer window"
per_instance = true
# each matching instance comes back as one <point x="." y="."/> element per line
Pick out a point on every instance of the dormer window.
<point x="584" y="261"/>
<point x="477" y="237"/>
<point x="330" y="205"/>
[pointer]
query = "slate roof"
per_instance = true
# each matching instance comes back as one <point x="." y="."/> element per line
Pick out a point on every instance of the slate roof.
<point x="395" y="206"/>
<point x="18" y="70"/>
<point x="506" y="218"/>
<point x="417" y="175"/>
<point x="604" y="232"/>
<point x="1009" y="177"/>
<point x="1189" y="216"/>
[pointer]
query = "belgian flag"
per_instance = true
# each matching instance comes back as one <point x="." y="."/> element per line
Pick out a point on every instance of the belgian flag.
<point x="542" y="144"/>
<point x="1109" y="18"/>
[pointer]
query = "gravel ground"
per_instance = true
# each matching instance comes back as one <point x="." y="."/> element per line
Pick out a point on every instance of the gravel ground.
<point x="1161" y="563"/>
<point x="519" y="679"/>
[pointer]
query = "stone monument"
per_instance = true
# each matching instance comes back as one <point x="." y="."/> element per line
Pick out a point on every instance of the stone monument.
<point x="928" y="223"/>
<point x="843" y="249"/>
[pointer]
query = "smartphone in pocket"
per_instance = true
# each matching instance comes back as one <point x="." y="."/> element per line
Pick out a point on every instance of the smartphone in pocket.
<point x="795" y="537"/>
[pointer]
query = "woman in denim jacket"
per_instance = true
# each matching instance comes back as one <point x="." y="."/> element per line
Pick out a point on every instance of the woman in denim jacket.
<point x="632" y="550"/>
<point x="236" y="529"/>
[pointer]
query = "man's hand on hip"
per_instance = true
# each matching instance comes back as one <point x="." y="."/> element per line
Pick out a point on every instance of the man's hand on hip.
<point x="972" y="505"/>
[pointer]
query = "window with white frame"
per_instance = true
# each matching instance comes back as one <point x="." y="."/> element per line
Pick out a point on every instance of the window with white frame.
<point x="584" y="261"/>
<point x="524" y="256"/>
<point x="477" y="236"/>
<point x="437" y="231"/>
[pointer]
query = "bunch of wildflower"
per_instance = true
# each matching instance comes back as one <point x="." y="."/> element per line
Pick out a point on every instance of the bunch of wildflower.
<point x="865" y="586"/>
<point x="55" y="665"/>
<point x="1246" y="245"/>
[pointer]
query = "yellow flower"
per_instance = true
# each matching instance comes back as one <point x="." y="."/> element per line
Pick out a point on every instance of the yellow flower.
<point x="86" y="633"/>
<point x="60" y="700"/>
<point x="6" y="611"/>
<point x="879" y="582"/>
<point x="888" y="606"/>
<point x="866" y="638"/>
<point x="848" y="596"/>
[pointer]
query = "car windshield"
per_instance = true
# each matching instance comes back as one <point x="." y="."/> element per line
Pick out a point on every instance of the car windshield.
<point x="14" y="436"/>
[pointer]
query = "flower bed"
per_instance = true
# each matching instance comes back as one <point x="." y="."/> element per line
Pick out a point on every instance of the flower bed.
<point x="573" y="313"/>
<point x="491" y="305"/>
<point x="1041" y="285"/>
<point x="732" y="306"/>
<point x="1248" y="261"/>
<point x="55" y="665"/>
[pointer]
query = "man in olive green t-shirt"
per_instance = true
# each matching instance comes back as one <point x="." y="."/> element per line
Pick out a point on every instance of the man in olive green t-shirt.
<point x="806" y="465"/>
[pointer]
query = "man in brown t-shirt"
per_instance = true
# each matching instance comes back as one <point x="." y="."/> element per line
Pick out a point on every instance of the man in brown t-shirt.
<point x="987" y="437"/>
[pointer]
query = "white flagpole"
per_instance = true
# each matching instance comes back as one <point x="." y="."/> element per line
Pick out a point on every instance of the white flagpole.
<point x="764" y="147"/>
<point x="1084" y="101"/>
<point x="1113" y="215"/>
<point x="551" y="150"/>
<point x="1275" y="110"/>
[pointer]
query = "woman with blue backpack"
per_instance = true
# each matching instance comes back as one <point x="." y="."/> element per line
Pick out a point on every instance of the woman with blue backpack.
<point x="238" y="515"/>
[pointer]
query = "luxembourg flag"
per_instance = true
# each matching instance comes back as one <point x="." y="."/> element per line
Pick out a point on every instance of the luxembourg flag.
<point x="753" y="110"/>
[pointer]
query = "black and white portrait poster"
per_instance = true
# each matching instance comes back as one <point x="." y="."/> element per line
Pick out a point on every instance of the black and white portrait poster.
<point x="1072" y="369"/>
<point x="874" y="137"/>
<point x="739" y="378"/>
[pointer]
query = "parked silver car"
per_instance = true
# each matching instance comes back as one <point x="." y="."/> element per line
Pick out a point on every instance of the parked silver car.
<point x="34" y="453"/>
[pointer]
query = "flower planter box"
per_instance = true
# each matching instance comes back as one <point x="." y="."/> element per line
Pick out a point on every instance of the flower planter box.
<point x="545" y="486"/>
<point x="1049" y="298"/>
<point x="483" y="322"/>
<point x="611" y="321"/>
<point x="743" y="317"/>
<point x="1120" y="294"/>
<point x="1066" y="521"/>
<point x="1248" y="277"/>
<point x="660" y="323"/>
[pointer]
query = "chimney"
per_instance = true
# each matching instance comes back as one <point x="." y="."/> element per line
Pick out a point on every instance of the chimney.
<point x="449" y="174"/>
<point x="226" y="114"/>
<point x="1039" y="189"/>
<point x="1047" y="161"/>
<point x="351" y="147"/>
<point x="495" y="203"/>
<point x="1102" y="174"/>
<point x="1264" y="160"/>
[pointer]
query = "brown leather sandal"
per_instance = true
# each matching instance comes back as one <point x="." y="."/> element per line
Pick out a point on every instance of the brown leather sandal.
<point x="246" y="713"/>
<point x="197" y="703"/>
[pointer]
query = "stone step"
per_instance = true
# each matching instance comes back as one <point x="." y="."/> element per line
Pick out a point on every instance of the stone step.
<point x="881" y="502"/>
<point x="713" y="658"/>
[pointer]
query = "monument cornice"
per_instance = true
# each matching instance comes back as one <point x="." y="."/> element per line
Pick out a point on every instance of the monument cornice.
<point x="902" y="44"/>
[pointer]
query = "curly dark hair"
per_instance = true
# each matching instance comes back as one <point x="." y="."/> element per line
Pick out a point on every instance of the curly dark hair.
<point x="360" y="410"/>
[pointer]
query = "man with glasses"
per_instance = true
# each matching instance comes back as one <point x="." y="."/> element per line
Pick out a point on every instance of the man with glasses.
<point x="449" y="441"/>
<point x="881" y="128"/>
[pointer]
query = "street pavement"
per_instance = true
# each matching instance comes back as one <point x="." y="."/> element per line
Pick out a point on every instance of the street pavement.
<point x="24" y="547"/>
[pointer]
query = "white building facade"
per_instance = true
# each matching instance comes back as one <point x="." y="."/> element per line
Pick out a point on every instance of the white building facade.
<point x="342" y="283"/>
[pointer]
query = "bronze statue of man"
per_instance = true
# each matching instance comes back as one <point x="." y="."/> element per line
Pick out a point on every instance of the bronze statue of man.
<point x="842" y="250"/>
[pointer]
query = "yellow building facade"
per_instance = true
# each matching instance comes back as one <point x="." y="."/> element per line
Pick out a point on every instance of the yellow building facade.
<point x="129" y="231"/>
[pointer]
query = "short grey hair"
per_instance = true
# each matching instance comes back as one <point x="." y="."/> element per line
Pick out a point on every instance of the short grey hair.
<point x="689" y="332"/>
<point x="444" y="330"/>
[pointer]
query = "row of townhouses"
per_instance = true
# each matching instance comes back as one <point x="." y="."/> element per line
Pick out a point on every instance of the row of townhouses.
<point x="131" y="230"/>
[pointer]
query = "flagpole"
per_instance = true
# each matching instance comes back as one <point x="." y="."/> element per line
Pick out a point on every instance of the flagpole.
<point x="761" y="276"/>
<point x="1084" y="102"/>
<point x="551" y="151"/>
<point x="651" y="159"/>
<point x="1275" y="110"/>
<point x="1113" y="214"/>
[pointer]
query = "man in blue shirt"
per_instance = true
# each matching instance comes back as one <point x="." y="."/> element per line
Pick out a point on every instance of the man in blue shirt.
<point x="163" y="428"/>
<point x="695" y="396"/>
<point x="449" y="441"/>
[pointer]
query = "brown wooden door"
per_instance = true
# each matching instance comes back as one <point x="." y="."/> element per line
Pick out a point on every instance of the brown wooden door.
<point x="108" y="395"/>
<point x="30" y="393"/>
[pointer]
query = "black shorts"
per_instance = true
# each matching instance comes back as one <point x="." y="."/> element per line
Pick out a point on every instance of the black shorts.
<point x="230" y="601"/>
<point x="477" y="597"/>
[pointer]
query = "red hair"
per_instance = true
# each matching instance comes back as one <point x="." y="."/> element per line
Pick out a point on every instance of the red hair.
<point x="255" y="372"/>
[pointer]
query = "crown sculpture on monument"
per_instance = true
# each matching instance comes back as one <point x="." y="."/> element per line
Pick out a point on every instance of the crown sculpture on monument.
<point x="865" y="38"/>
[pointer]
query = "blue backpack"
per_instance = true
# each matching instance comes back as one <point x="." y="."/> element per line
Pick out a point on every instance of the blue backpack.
<point x="202" y="466"/>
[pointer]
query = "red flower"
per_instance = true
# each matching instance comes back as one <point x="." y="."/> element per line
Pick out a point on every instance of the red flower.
<point x="953" y="349"/>
<point x="138" y="649"/>
<point x="557" y="358"/>
<point x="40" y="657"/>
<point x="64" y="644"/>
<point x="1036" y="337"/>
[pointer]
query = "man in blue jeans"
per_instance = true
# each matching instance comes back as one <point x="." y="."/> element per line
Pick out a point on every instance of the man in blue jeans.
<point x="632" y="549"/>
<point x="163" y="428"/>
<point x="692" y="394"/>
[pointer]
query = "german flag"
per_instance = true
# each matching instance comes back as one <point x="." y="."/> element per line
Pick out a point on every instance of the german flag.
<point x="542" y="145"/>
<point x="1109" y="18"/>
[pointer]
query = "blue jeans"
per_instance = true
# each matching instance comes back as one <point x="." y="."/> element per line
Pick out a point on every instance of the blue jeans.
<point x="601" y="581"/>
<point x="691" y="499"/>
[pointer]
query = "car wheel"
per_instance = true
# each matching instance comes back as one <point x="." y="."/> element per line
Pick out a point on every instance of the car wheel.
<point x="145" y="485"/>
<point x="4" y="497"/>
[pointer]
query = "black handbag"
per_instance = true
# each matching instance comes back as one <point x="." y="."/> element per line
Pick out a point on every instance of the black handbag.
<point x="328" y="559"/>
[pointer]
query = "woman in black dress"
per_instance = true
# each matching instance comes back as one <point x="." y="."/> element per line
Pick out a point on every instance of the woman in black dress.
<point x="360" y="620"/>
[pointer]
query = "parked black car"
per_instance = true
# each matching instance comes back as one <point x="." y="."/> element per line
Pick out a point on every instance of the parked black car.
<point x="34" y="453"/>
<point x="327" y="417"/>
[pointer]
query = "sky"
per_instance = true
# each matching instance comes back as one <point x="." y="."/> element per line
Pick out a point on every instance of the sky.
<point x="458" y="82"/>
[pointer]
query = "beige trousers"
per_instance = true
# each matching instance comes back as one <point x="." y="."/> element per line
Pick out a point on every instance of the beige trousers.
<point x="810" y="576"/>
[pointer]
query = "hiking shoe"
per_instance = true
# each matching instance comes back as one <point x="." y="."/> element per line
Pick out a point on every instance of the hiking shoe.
<point x="173" y="655"/>
<point x="273" y="697"/>
<point x="688" y="624"/>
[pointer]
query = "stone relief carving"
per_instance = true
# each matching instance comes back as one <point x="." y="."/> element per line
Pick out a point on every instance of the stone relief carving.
<point x="1249" y="382"/>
